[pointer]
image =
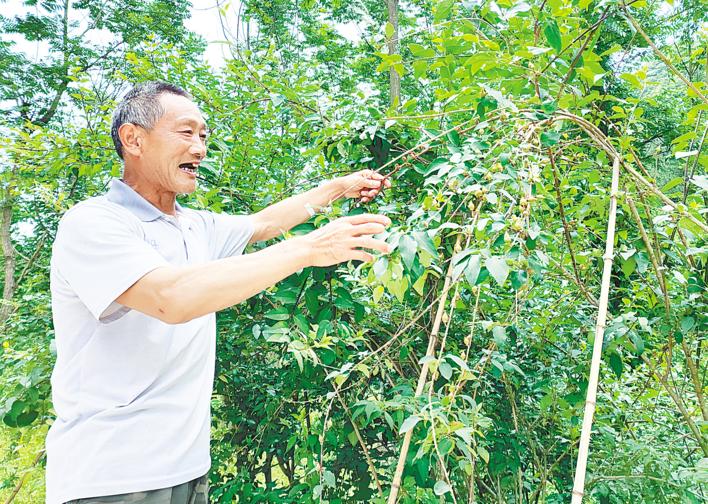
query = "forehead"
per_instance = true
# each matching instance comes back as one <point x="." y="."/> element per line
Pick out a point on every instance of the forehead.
<point x="179" y="108"/>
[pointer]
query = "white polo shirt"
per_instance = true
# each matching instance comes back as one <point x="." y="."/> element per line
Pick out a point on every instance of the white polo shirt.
<point x="132" y="394"/>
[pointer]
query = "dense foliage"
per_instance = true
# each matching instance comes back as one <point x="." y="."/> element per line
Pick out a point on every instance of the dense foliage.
<point x="500" y="151"/>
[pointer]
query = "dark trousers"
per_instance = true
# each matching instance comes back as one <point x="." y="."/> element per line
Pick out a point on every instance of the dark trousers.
<point x="192" y="492"/>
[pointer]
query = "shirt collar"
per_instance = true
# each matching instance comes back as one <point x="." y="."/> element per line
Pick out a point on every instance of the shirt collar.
<point x="124" y="195"/>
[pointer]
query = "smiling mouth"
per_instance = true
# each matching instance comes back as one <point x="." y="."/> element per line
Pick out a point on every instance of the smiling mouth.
<point x="189" y="167"/>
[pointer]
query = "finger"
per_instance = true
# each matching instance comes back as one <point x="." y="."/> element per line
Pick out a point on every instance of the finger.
<point x="370" y="228"/>
<point x="364" y="199"/>
<point x="365" y="173"/>
<point x="387" y="182"/>
<point x="373" y="244"/>
<point x="366" y="218"/>
<point x="371" y="183"/>
<point x="360" y="255"/>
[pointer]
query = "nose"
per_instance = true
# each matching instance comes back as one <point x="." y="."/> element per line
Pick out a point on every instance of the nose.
<point x="198" y="148"/>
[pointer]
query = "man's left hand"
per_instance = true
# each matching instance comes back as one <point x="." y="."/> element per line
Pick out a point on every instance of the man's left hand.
<point x="364" y="185"/>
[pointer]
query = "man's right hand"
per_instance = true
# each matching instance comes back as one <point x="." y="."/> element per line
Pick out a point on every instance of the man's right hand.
<point x="177" y="294"/>
<point x="343" y="240"/>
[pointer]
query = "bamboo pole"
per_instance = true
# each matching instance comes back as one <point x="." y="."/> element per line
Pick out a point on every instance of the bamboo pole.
<point x="579" y="483"/>
<point x="396" y="483"/>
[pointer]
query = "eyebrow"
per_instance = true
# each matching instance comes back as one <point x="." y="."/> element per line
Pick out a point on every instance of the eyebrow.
<point x="193" y="122"/>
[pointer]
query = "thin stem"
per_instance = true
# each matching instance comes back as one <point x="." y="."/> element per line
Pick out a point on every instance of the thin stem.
<point x="370" y="463"/>
<point x="662" y="56"/>
<point x="422" y="378"/>
<point x="579" y="482"/>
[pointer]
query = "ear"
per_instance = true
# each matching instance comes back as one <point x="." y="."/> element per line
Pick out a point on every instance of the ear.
<point x="131" y="137"/>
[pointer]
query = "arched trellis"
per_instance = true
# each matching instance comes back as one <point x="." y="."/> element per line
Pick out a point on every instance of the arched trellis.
<point x="578" y="488"/>
<point x="603" y="143"/>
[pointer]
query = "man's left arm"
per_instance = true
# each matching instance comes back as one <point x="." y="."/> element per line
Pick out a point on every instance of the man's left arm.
<point x="272" y="221"/>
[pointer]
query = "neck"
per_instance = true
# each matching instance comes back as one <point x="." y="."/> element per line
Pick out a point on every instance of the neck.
<point x="160" y="199"/>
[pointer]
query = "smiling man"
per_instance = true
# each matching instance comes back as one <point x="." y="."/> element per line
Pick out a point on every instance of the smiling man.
<point x="135" y="282"/>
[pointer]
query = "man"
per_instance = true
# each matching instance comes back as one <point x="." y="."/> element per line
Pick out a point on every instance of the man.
<point x="135" y="282"/>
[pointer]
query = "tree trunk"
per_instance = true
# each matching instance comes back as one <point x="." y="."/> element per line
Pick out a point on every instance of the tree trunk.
<point x="8" y="255"/>
<point x="394" y="78"/>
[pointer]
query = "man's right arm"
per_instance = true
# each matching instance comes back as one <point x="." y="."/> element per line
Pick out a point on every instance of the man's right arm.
<point x="177" y="294"/>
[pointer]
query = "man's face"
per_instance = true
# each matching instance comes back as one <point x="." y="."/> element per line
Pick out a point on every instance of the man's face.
<point x="174" y="147"/>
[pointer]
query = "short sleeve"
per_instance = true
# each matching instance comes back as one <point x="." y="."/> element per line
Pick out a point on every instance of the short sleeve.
<point x="230" y="234"/>
<point x="100" y="253"/>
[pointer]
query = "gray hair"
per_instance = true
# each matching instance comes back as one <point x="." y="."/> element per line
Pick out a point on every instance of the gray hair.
<point x="141" y="106"/>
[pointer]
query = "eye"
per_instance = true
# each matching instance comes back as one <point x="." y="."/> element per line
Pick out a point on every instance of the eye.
<point x="187" y="131"/>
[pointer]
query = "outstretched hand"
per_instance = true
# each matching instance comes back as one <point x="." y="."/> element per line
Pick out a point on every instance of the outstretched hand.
<point x="364" y="185"/>
<point x="346" y="238"/>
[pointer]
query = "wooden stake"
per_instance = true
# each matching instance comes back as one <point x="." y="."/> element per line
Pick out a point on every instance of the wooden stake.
<point x="579" y="484"/>
<point x="396" y="483"/>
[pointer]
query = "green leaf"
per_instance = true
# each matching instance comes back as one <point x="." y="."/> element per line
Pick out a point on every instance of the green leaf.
<point x="277" y="335"/>
<point x="483" y="453"/>
<point x="420" y="68"/>
<point x="632" y="79"/>
<point x="445" y="370"/>
<point x="408" y="247"/>
<point x="459" y="262"/>
<point x="380" y="266"/>
<point x="518" y="279"/>
<point x="425" y="242"/>
<point x="553" y="35"/>
<point x="472" y="269"/>
<point x="278" y="314"/>
<point x="465" y="434"/>
<point x="390" y="30"/>
<point x="441" y="488"/>
<point x="616" y="363"/>
<point x="419" y="51"/>
<point x="457" y="360"/>
<point x="499" y="334"/>
<point x="420" y="283"/>
<point x="687" y="324"/>
<point x="398" y="287"/>
<point x="638" y="342"/>
<point x="497" y="267"/>
<point x="454" y="137"/>
<point x="671" y="184"/>
<point x="21" y="414"/>
<point x="443" y="9"/>
<point x="328" y="479"/>
<point x="629" y="266"/>
<point x="409" y="423"/>
<point x="701" y="181"/>
<point x="549" y="138"/>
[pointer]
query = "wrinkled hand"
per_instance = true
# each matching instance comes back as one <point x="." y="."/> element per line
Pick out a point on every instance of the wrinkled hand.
<point x="343" y="239"/>
<point x="364" y="184"/>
